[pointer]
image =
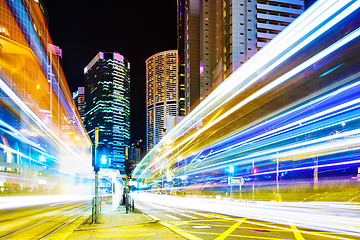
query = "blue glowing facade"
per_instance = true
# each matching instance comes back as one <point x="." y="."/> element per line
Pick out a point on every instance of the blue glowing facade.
<point x="107" y="103"/>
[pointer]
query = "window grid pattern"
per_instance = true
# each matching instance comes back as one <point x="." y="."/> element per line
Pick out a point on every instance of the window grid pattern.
<point x="162" y="91"/>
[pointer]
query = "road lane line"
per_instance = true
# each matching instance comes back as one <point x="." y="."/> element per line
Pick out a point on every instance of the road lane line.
<point x="229" y="231"/>
<point x="240" y="236"/>
<point x="192" y="217"/>
<point x="181" y="232"/>
<point x="172" y="217"/>
<point x="123" y="230"/>
<point x="296" y="231"/>
<point x="126" y="235"/>
<point x="145" y="215"/>
<point x="153" y="217"/>
<point x="202" y="214"/>
<point x="201" y="226"/>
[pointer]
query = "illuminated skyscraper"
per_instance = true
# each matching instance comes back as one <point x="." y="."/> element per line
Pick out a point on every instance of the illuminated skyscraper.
<point x="79" y="98"/>
<point x="216" y="37"/>
<point x="245" y="26"/>
<point x="181" y="56"/>
<point x="107" y="103"/>
<point x="161" y="95"/>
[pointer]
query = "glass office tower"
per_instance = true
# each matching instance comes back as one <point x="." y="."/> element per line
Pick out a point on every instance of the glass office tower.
<point x="107" y="103"/>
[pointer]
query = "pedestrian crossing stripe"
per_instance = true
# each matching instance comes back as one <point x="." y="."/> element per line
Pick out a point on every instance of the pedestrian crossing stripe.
<point x="188" y="216"/>
<point x="182" y="233"/>
<point x="125" y="235"/>
<point x="155" y="218"/>
<point x="172" y="217"/>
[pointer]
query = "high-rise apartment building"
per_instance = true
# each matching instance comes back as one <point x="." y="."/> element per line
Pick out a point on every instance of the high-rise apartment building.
<point x="107" y="103"/>
<point x="245" y="26"/>
<point x="216" y="37"/>
<point x="79" y="98"/>
<point x="181" y="57"/>
<point x="196" y="44"/>
<point x="161" y="95"/>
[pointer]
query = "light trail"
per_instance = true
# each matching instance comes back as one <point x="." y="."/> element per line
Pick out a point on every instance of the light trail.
<point x="286" y="123"/>
<point x="43" y="144"/>
<point x="304" y="215"/>
<point x="43" y="128"/>
<point x="27" y="201"/>
<point x="327" y="13"/>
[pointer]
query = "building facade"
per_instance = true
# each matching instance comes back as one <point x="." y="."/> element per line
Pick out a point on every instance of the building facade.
<point x="137" y="151"/>
<point x="196" y="44"/>
<point x="107" y="103"/>
<point x="79" y="98"/>
<point x="218" y="36"/>
<point x="245" y="26"/>
<point x="161" y="95"/>
<point x="43" y="144"/>
<point x="181" y="57"/>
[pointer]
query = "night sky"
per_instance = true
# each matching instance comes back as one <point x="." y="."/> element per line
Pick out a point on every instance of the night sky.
<point x="135" y="29"/>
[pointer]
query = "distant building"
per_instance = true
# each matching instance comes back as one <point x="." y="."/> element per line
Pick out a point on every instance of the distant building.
<point x="79" y="98"/>
<point x="137" y="151"/>
<point x="217" y="37"/>
<point x="161" y="95"/>
<point x="309" y="3"/>
<point x="107" y="103"/>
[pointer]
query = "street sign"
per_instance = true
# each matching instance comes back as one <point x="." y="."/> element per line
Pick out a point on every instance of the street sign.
<point x="236" y="180"/>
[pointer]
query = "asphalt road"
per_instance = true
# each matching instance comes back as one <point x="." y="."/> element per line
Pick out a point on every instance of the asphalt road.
<point x="50" y="221"/>
<point x="197" y="225"/>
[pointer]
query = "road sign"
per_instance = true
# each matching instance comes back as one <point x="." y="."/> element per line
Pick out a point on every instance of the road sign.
<point x="236" y="180"/>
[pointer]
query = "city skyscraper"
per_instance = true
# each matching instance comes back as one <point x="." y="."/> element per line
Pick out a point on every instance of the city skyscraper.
<point x="217" y="37"/>
<point x="244" y="27"/>
<point x="79" y="98"/>
<point x="161" y="95"/>
<point x="107" y="103"/>
<point x="181" y="56"/>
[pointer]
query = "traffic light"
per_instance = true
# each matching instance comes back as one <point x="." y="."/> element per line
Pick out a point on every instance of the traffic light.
<point x="129" y="166"/>
<point x="254" y="170"/>
<point x="102" y="159"/>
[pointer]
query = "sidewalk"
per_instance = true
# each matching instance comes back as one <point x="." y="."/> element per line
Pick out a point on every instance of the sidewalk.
<point x="119" y="225"/>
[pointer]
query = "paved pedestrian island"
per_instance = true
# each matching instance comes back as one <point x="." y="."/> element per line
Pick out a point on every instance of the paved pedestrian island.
<point x="119" y="225"/>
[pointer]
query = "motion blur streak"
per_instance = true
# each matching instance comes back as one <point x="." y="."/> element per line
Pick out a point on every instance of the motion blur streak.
<point x="305" y="215"/>
<point x="44" y="148"/>
<point x="284" y="127"/>
<point x="26" y="201"/>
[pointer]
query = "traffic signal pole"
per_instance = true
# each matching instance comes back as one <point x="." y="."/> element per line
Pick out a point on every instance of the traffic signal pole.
<point x="96" y="200"/>
<point x="127" y="194"/>
<point x="127" y="183"/>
